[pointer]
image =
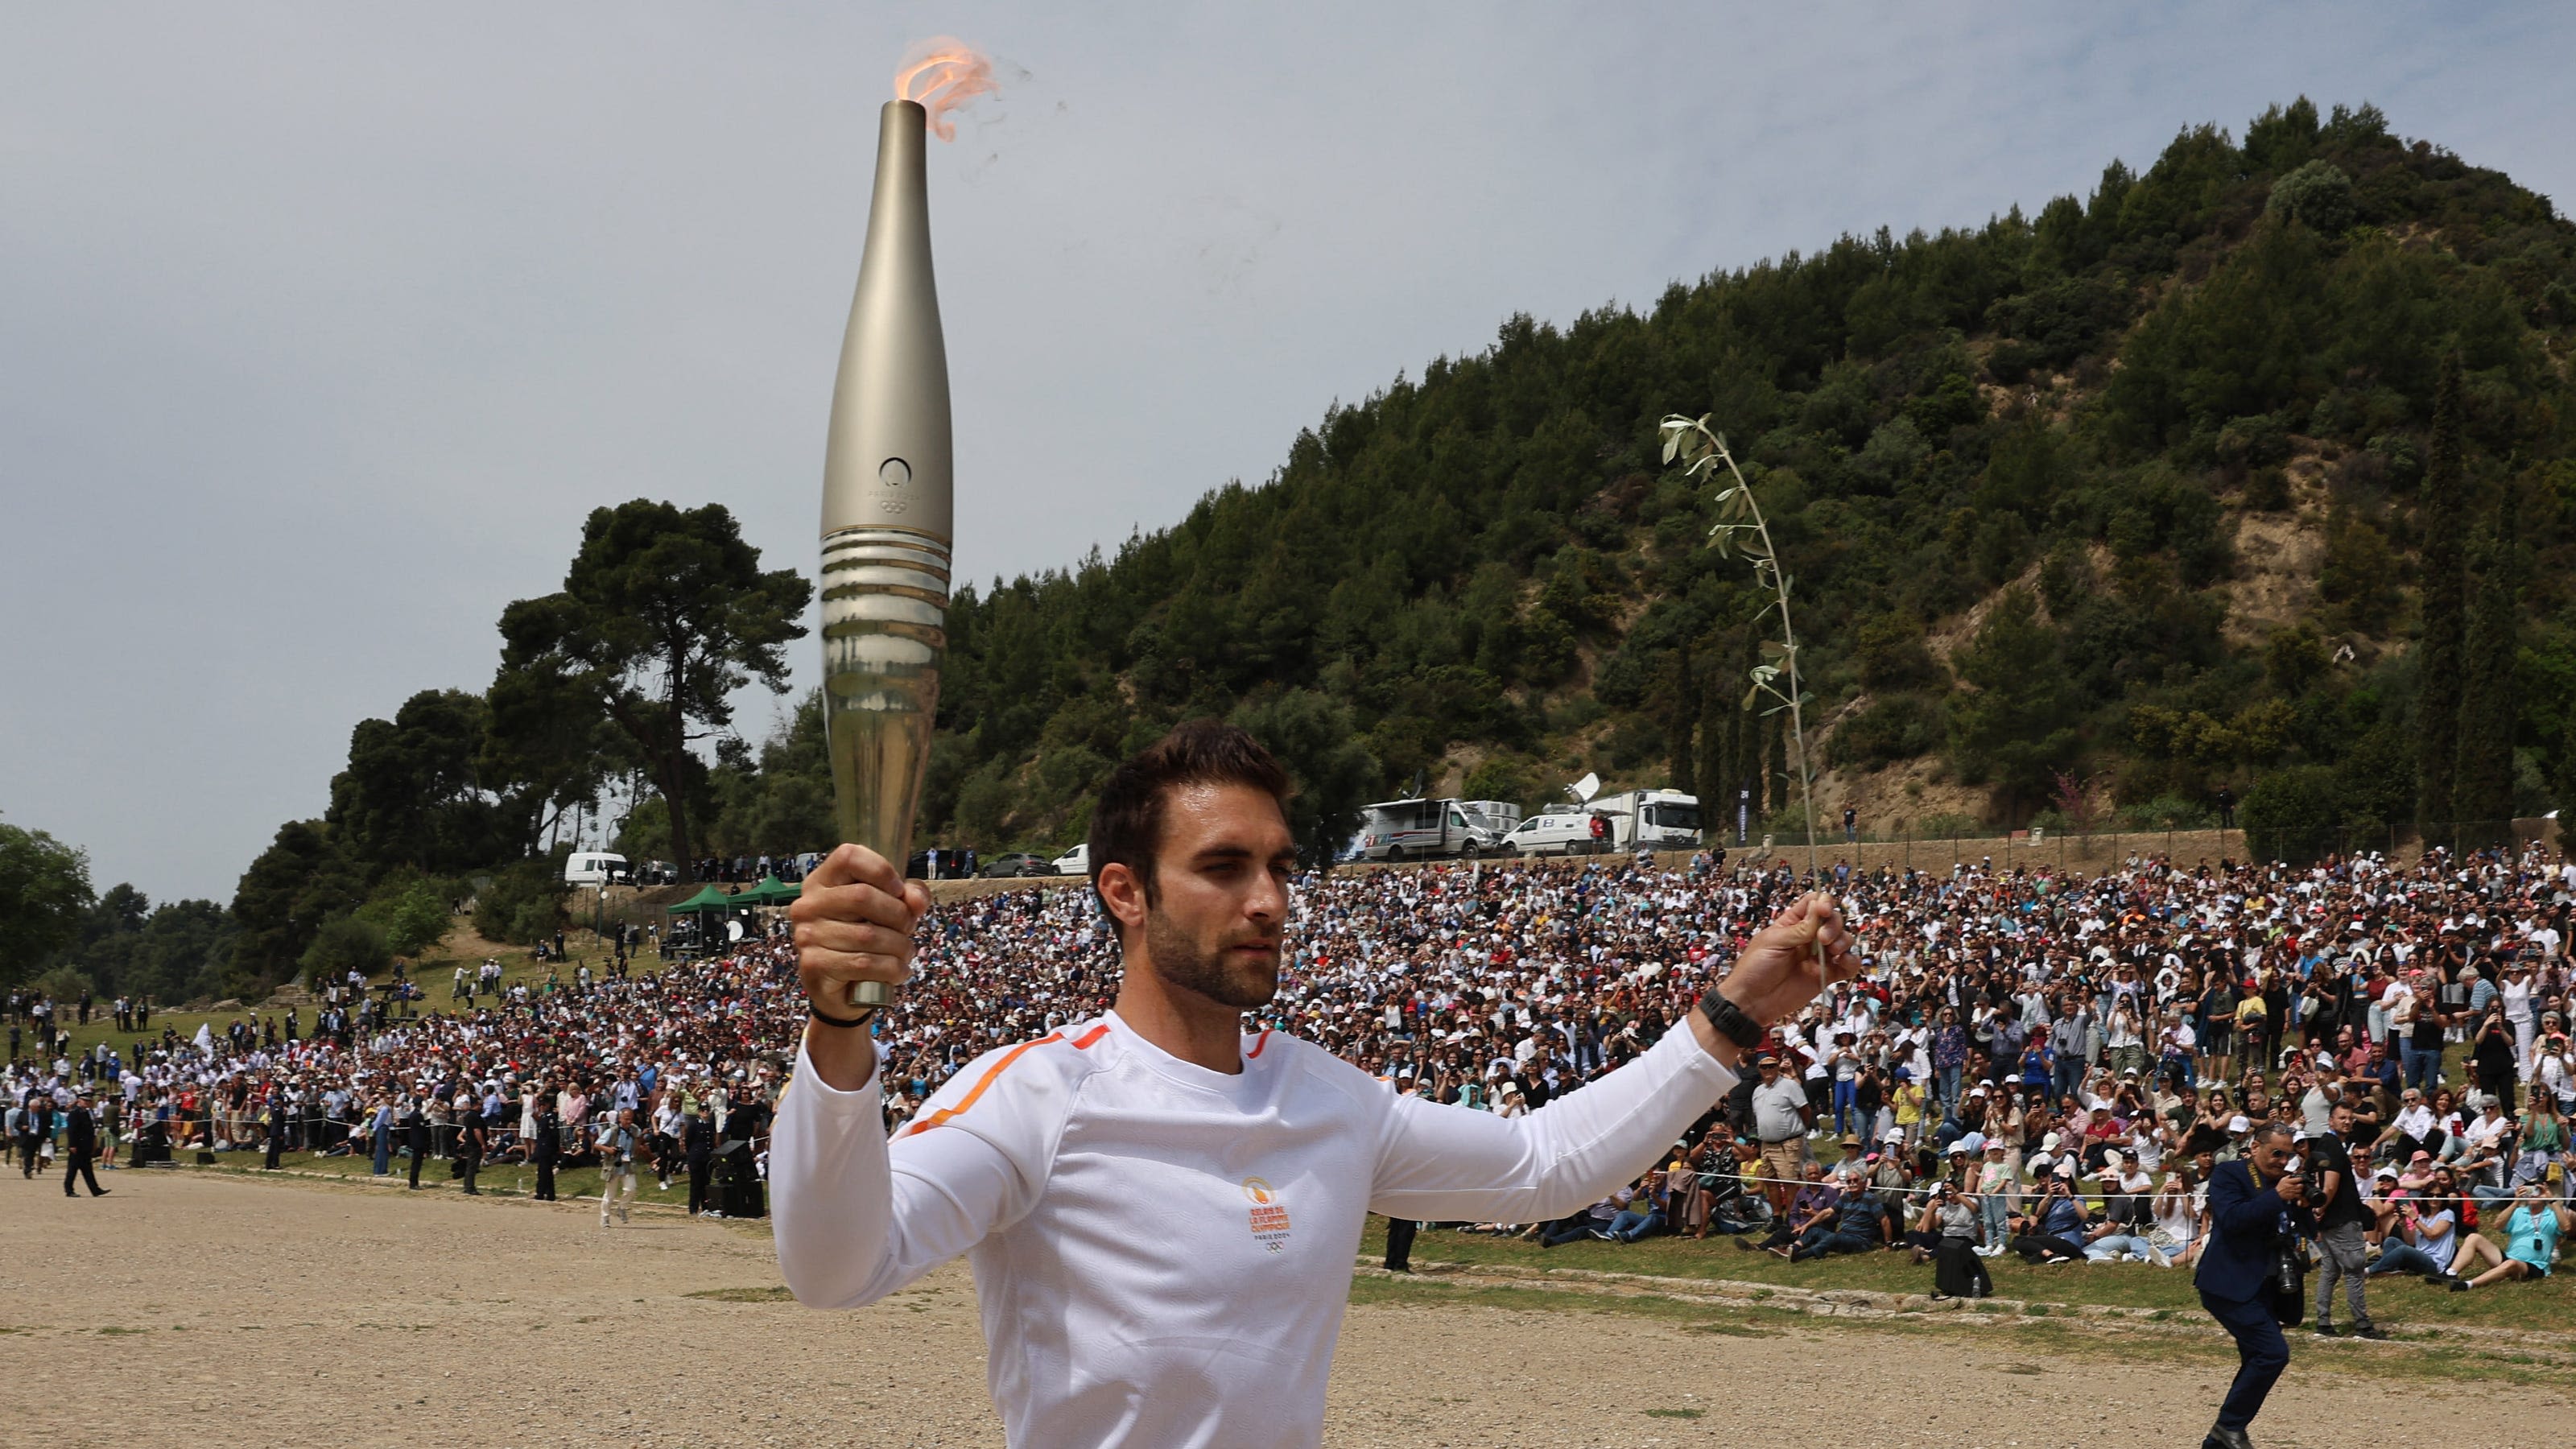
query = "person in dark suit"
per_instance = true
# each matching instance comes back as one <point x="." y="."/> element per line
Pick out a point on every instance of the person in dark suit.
<point x="415" y="1128"/>
<point x="698" y="1147"/>
<point x="80" y="1130"/>
<point x="469" y="1141"/>
<point x="2254" y="1208"/>
<point x="548" y="1148"/>
<point x="273" y="1124"/>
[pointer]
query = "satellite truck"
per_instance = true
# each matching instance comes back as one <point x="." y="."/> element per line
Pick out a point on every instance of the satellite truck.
<point x="1641" y="819"/>
<point x="1427" y="829"/>
<point x="1651" y="819"/>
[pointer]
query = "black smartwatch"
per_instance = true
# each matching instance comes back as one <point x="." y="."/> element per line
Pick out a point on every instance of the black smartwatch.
<point x="1730" y="1020"/>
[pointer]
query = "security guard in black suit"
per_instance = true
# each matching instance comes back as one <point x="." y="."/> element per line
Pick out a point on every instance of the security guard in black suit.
<point x="80" y="1130"/>
<point x="273" y="1126"/>
<point x="415" y="1128"/>
<point x="548" y="1148"/>
<point x="698" y="1145"/>
<point x="469" y="1142"/>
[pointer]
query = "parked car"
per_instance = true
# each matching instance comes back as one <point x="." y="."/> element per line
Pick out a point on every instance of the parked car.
<point x="658" y="872"/>
<point x="1076" y="861"/>
<point x="944" y="863"/>
<point x="1016" y="864"/>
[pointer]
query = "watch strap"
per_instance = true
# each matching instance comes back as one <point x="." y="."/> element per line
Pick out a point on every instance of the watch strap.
<point x="1730" y="1020"/>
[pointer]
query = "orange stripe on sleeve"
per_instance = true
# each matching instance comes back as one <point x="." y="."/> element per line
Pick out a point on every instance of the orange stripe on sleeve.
<point x="941" y="1117"/>
<point x="1259" y="1042"/>
<point x="1084" y="1041"/>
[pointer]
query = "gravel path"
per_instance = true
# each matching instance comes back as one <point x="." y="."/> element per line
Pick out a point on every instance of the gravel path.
<point x="275" y="1314"/>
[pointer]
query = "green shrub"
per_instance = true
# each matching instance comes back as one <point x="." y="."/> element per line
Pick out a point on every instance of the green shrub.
<point x="2293" y="815"/>
<point x="523" y="905"/>
<point x="346" y="944"/>
<point x="63" y="983"/>
<point x="412" y="914"/>
<point x="2318" y="194"/>
<point x="1898" y="727"/>
<point x="2167" y="812"/>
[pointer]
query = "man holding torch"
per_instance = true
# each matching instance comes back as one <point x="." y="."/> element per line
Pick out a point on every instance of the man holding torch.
<point x="1264" y="1153"/>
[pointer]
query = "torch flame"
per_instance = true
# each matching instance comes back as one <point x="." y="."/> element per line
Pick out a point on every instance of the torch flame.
<point x="943" y="73"/>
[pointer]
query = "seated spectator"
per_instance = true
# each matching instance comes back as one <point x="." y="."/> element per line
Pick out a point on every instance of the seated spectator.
<point x="1644" y="1214"/>
<point x="1853" y="1228"/>
<point x="1813" y="1205"/>
<point x="2053" y="1231"/>
<point x="2422" y="1237"/>
<point x="2532" y="1231"/>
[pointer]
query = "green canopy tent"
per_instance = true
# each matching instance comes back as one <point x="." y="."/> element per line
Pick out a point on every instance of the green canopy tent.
<point x="770" y="892"/>
<point x="708" y="898"/>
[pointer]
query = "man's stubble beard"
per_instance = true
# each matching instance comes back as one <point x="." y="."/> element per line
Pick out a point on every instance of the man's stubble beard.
<point x="1183" y="963"/>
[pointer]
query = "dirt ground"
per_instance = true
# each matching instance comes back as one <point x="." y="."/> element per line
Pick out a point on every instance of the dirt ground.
<point x="203" y="1311"/>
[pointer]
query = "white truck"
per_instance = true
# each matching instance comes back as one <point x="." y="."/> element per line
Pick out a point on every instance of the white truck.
<point x="1426" y="829"/>
<point x="1651" y="819"/>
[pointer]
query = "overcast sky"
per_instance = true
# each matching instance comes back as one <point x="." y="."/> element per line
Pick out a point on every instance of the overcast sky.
<point x="323" y="327"/>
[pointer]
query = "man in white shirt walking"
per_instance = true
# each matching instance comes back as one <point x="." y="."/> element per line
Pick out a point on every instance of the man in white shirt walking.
<point x="1263" y="1153"/>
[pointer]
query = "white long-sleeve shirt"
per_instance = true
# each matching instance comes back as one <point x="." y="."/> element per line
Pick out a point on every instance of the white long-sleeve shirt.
<point x="1161" y="1252"/>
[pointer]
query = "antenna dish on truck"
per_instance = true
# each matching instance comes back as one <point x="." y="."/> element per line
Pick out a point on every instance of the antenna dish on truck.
<point x="1584" y="789"/>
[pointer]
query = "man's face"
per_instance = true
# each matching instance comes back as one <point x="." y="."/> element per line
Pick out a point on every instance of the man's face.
<point x="1220" y="897"/>
<point x="2269" y="1152"/>
<point x="2340" y="1119"/>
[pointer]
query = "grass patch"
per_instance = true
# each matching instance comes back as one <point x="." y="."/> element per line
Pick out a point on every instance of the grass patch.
<point x="2547" y="1307"/>
<point x="1731" y="1330"/>
<point x="743" y="1295"/>
<point x="121" y="1332"/>
<point x="1675" y="1413"/>
<point x="2042" y="1340"/>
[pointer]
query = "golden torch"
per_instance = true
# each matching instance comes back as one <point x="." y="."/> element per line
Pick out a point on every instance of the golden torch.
<point x="887" y="475"/>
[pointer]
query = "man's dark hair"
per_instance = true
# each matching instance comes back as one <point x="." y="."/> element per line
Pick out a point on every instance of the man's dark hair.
<point x="1127" y="820"/>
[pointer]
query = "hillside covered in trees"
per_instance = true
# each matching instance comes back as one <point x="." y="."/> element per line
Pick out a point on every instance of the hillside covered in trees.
<point x="2249" y="472"/>
<point x="2109" y="507"/>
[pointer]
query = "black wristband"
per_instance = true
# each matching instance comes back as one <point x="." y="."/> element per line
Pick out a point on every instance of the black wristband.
<point x="862" y="1019"/>
<point x="1730" y="1020"/>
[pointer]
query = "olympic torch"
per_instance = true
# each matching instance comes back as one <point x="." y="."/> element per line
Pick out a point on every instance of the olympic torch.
<point x="886" y="516"/>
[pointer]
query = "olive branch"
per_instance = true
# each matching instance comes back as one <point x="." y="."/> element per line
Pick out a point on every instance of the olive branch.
<point x="1741" y="529"/>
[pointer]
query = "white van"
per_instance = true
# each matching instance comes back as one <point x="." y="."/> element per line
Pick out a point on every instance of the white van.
<point x="593" y="868"/>
<point x="1556" y="832"/>
<point x="1076" y="861"/>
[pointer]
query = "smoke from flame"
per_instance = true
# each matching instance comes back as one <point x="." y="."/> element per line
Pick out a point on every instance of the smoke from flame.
<point x="943" y="73"/>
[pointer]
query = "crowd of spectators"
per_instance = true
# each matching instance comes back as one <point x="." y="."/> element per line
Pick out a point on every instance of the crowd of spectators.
<point x="2038" y="1062"/>
<point x="675" y="1068"/>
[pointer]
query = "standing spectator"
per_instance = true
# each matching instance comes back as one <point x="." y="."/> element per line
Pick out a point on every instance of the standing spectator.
<point x="617" y="1166"/>
<point x="2343" y="1220"/>
<point x="1781" y="1117"/>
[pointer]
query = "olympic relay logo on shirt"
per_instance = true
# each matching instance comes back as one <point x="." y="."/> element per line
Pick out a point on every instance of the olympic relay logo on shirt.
<point x="1269" y="1219"/>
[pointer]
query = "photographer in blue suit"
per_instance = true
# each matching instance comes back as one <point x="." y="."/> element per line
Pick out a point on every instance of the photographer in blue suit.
<point x="2255" y="1210"/>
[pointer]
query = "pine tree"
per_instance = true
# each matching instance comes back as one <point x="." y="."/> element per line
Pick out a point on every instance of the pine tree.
<point x="1780" y="792"/>
<point x="2438" y="646"/>
<point x="1748" y="734"/>
<point x="1716" y="750"/>
<point x="1682" y="735"/>
<point x="2482" y="788"/>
